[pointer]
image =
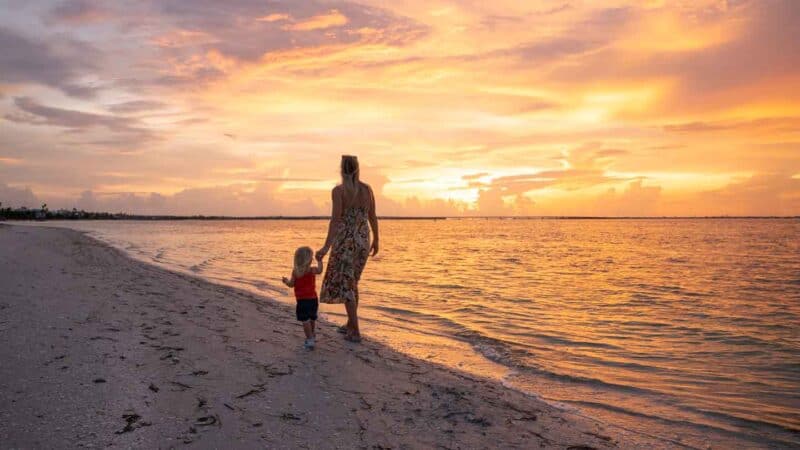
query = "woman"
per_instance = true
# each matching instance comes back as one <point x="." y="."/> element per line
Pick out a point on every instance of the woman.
<point x="348" y="237"/>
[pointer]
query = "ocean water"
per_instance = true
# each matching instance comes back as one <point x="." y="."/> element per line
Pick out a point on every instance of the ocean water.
<point x="684" y="329"/>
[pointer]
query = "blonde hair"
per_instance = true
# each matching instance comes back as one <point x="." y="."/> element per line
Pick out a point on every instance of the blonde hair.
<point x="350" y="175"/>
<point x="302" y="261"/>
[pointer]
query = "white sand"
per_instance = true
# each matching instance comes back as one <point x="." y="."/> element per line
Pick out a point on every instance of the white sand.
<point x="90" y="336"/>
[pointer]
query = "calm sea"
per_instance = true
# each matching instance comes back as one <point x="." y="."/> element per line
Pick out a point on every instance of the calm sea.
<point x="686" y="329"/>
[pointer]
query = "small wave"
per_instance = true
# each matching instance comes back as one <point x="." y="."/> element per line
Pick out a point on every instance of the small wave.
<point x="722" y="418"/>
<point x="197" y="268"/>
<point x="725" y="337"/>
<point x="448" y="286"/>
<point x="258" y="284"/>
<point x="628" y="365"/>
<point x="444" y="286"/>
<point x="203" y="265"/>
<point x="404" y="312"/>
<point x="593" y="382"/>
<point x="571" y="342"/>
<point x="639" y="323"/>
<point x="677" y="260"/>
<point x="676" y="290"/>
<point x="159" y="256"/>
<point x="509" y="354"/>
<point x="640" y="299"/>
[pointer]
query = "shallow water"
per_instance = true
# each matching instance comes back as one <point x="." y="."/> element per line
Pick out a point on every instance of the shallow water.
<point x="688" y="329"/>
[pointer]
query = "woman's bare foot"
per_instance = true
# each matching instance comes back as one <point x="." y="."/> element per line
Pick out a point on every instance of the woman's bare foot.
<point x="352" y="336"/>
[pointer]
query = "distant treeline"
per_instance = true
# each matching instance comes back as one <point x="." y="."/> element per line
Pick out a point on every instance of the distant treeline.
<point x="44" y="213"/>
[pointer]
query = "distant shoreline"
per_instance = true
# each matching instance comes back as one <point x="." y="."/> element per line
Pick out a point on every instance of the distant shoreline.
<point x="265" y="218"/>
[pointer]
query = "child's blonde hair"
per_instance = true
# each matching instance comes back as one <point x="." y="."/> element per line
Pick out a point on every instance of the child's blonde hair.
<point x="302" y="260"/>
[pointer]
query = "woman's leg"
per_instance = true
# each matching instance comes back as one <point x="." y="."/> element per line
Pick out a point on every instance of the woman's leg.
<point x="352" y="318"/>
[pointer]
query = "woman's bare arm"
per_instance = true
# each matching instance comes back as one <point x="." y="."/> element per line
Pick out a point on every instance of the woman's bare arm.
<point x="373" y="223"/>
<point x="336" y="217"/>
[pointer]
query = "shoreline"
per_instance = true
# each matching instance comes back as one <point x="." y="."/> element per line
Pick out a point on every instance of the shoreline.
<point x="195" y="362"/>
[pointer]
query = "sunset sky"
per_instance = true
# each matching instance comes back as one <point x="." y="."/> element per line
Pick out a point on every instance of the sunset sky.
<point x="243" y="107"/>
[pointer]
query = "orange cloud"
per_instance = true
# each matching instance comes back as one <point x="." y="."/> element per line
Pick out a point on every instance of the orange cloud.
<point x="332" y="18"/>
<point x="11" y="161"/>
<point x="273" y="17"/>
<point x="502" y="107"/>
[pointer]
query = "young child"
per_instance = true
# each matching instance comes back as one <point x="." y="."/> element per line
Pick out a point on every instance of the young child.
<point x="305" y="291"/>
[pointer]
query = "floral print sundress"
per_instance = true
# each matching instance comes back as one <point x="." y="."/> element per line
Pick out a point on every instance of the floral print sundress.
<point x="348" y="257"/>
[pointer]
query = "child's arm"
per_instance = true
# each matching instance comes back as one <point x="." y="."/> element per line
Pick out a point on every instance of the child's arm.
<point x="289" y="281"/>
<point x="318" y="270"/>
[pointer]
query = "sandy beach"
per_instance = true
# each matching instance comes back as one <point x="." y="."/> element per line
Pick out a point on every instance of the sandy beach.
<point x="100" y="350"/>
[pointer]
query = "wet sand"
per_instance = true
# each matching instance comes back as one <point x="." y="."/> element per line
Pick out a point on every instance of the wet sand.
<point x="102" y="350"/>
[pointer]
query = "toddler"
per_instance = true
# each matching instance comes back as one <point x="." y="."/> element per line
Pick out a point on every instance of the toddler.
<point x="303" y="281"/>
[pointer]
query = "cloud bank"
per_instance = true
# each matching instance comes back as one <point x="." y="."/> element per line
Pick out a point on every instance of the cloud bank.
<point x="455" y="108"/>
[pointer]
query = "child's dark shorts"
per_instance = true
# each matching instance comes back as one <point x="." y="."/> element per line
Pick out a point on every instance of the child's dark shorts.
<point x="307" y="309"/>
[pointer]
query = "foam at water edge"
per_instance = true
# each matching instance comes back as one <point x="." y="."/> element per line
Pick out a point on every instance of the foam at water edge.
<point x="506" y="381"/>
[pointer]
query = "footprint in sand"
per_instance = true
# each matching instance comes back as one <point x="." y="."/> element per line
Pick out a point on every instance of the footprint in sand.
<point x="181" y="386"/>
<point x="132" y="422"/>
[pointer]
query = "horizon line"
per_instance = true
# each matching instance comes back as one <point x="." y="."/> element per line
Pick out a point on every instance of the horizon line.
<point x="166" y="217"/>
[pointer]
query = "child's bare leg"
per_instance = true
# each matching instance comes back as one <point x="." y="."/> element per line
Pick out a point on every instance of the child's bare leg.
<point x="313" y="328"/>
<point x="308" y="328"/>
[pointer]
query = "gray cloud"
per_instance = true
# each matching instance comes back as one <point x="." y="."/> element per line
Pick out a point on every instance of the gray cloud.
<point x="591" y="34"/>
<point x="176" y="32"/>
<point x="25" y="60"/>
<point x="494" y="21"/>
<point x="231" y="200"/>
<point x="136" y="106"/>
<point x="77" y="12"/>
<point x="555" y="48"/>
<point x="16" y="197"/>
<point x="127" y="133"/>
<point x="37" y="114"/>
<point x="234" y="30"/>
<point x="237" y="33"/>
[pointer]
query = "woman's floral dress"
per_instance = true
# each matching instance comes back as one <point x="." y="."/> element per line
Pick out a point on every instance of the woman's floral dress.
<point x="348" y="258"/>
